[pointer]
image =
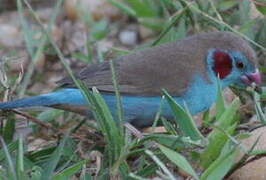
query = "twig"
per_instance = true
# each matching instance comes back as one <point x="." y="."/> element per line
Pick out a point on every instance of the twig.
<point x="46" y="125"/>
<point x="256" y="127"/>
<point x="240" y="164"/>
<point x="33" y="119"/>
<point x="259" y="3"/>
<point x="133" y="130"/>
<point x="18" y="81"/>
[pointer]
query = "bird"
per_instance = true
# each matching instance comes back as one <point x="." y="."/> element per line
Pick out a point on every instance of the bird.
<point x="188" y="69"/>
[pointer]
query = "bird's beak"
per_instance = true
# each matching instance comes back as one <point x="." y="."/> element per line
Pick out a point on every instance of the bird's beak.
<point x="252" y="78"/>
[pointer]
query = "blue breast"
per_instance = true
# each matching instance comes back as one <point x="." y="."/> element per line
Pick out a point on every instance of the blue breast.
<point x="141" y="111"/>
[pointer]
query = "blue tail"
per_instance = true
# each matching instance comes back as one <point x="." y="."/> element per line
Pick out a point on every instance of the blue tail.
<point x="64" y="96"/>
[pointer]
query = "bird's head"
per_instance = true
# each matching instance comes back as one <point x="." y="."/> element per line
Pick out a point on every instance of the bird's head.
<point x="233" y="67"/>
<point x="233" y="61"/>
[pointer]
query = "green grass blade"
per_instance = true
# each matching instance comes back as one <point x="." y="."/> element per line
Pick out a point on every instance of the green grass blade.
<point x="141" y="9"/>
<point x="217" y="138"/>
<point x="258" y="109"/>
<point x="70" y="171"/>
<point x="110" y="129"/>
<point x="160" y="164"/>
<point x="171" y="140"/>
<point x="124" y="7"/>
<point x="49" y="115"/>
<point x="228" y="117"/>
<point x="37" y="155"/>
<point x="134" y="176"/>
<point x="105" y="113"/>
<point x="118" y="97"/>
<point x="12" y="172"/>
<point x="53" y="160"/>
<point x="220" y="104"/>
<point x="11" y="147"/>
<point x="20" y="159"/>
<point x="172" y="22"/>
<point x="158" y="114"/>
<point x="219" y="168"/>
<point x="183" y="119"/>
<point x="178" y="160"/>
<point x="9" y="128"/>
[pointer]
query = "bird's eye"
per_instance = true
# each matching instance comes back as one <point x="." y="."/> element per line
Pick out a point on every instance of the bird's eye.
<point x="240" y="65"/>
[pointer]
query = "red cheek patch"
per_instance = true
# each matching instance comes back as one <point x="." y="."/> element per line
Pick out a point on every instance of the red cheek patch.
<point x="222" y="64"/>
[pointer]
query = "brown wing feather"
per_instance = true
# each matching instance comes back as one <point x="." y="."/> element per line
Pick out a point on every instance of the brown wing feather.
<point x="170" y="66"/>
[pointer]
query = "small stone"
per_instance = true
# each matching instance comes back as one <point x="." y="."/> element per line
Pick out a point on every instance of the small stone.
<point x="70" y="9"/>
<point x="97" y="8"/>
<point x="40" y="62"/>
<point x="229" y="96"/>
<point x="128" y="37"/>
<point x="56" y="33"/>
<point x="40" y="88"/>
<point x="36" y="144"/>
<point x="18" y="62"/>
<point x="145" y="32"/>
<point x="254" y="13"/>
<point x="10" y="35"/>
<point x="159" y="129"/>
<point x="44" y="14"/>
<point x="104" y="45"/>
<point x="76" y="35"/>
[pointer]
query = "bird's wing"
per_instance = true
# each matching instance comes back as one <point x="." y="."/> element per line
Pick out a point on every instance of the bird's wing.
<point x="168" y="66"/>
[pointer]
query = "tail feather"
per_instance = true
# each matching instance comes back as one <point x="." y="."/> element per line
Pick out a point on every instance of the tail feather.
<point x="64" y="96"/>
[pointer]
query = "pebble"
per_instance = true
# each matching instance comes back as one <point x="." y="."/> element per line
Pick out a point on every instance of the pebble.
<point x="10" y="35"/>
<point x="97" y="8"/>
<point x="128" y="37"/>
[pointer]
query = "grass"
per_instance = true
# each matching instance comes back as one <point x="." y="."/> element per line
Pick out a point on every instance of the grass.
<point x="115" y="153"/>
